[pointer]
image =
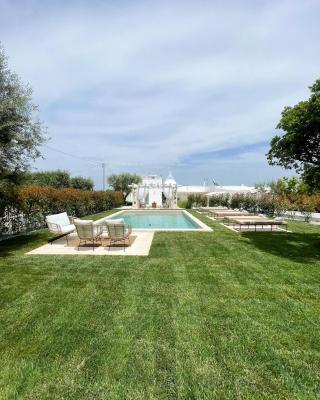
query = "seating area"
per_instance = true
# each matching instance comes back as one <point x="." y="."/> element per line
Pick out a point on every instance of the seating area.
<point x="91" y="233"/>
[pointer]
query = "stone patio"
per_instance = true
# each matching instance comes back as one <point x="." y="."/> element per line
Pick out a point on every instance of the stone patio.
<point x="140" y="246"/>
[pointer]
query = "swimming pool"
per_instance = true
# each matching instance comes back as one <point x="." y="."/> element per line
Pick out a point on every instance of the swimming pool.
<point x="160" y="220"/>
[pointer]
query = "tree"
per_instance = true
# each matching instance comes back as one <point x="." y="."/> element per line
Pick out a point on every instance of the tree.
<point x="58" y="179"/>
<point x="288" y="186"/>
<point x="299" y="147"/>
<point x="121" y="182"/>
<point x="78" y="182"/>
<point x="20" y="132"/>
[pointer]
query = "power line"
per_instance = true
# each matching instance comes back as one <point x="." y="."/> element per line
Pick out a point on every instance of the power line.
<point x="92" y="163"/>
<point x="74" y="156"/>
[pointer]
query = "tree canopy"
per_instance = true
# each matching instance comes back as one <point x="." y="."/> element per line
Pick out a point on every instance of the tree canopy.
<point x="21" y="133"/>
<point x="288" y="186"/>
<point x="58" y="179"/>
<point x="122" y="182"/>
<point x="79" y="182"/>
<point x="299" y="147"/>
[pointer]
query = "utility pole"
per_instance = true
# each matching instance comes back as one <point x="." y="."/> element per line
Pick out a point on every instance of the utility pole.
<point x="103" y="176"/>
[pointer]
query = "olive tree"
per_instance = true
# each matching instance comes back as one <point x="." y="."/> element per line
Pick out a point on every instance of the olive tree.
<point x="122" y="182"/>
<point x="21" y="133"/>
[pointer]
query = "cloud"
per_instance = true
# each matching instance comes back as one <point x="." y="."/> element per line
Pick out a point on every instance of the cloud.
<point x="149" y="85"/>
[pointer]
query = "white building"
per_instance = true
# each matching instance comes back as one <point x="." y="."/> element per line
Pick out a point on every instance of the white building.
<point x="185" y="191"/>
<point x="153" y="192"/>
<point x="150" y="190"/>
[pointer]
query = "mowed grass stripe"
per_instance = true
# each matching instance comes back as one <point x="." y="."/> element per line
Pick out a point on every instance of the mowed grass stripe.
<point x="206" y="316"/>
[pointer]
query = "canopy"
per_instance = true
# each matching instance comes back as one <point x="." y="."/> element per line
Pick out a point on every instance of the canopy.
<point x="232" y="190"/>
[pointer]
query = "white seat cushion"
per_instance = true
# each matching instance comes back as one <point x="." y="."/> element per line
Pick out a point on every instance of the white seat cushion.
<point x="68" y="228"/>
<point x="114" y="221"/>
<point x="98" y="223"/>
<point x="82" y="221"/>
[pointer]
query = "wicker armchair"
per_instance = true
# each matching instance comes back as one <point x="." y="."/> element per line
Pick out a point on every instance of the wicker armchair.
<point x="88" y="231"/>
<point x="119" y="233"/>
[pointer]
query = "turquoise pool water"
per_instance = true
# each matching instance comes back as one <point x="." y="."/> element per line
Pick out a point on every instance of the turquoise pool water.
<point x="159" y="220"/>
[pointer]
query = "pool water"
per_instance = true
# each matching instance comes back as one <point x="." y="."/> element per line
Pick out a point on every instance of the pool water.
<point x="155" y="220"/>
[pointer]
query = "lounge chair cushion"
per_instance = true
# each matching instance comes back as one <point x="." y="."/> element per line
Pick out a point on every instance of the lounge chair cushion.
<point x="61" y="219"/>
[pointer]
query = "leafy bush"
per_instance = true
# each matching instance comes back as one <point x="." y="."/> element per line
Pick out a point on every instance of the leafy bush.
<point x="306" y="205"/>
<point x="219" y="200"/>
<point x="237" y="201"/>
<point x="317" y="202"/>
<point x="281" y="205"/>
<point x="198" y="200"/>
<point x="28" y="209"/>
<point x="183" y="203"/>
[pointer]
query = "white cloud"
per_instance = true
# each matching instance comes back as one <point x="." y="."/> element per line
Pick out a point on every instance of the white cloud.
<point x="153" y="83"/>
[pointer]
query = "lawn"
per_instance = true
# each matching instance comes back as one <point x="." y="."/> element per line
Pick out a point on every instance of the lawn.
<point x="206" y="316"/>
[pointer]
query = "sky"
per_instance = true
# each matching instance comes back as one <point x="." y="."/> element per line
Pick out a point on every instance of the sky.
<point x="193" y="87"/>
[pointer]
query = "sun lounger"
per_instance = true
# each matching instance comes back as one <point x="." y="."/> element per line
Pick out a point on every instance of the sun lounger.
<point x="256" y="221"/>
<point x="221" y="214"/>
<point x="244" y="217"/>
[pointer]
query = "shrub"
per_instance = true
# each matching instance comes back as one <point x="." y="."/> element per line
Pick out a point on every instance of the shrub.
<point x="269" y="204"/>
<point x="183" y="203"/>
<point x="265" y="204"/>
<point x="215" y="201"/>
<point x="237" y="201"/>
<point x="250" y="203"/>
<point x="316" y="199"/>
<point x="306" y="205"/>
<point x="198" y="200"/>
<point x="293" y="207"/>
<point x="219" y="200"/>
<point x="28" y="210"/>
<point x="281" y="205"/>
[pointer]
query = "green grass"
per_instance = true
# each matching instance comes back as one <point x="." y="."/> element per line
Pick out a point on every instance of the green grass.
<point x="206" y="316"/>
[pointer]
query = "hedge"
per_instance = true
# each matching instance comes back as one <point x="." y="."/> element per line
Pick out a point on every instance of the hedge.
<point x="31" y="205"/>
<point x="265" y="203"/>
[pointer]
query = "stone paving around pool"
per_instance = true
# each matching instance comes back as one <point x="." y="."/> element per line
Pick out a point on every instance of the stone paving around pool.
<point x="140" y="246"/>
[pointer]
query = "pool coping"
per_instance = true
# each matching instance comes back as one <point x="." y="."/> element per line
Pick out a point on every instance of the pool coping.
<point x="202" y="225"/>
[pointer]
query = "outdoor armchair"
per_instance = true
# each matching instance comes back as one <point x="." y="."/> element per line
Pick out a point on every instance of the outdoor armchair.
<point x="119" y="233"/>
<point x="88" y="231"/>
